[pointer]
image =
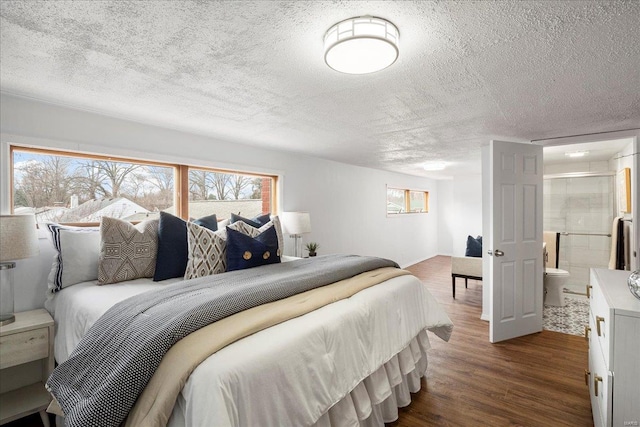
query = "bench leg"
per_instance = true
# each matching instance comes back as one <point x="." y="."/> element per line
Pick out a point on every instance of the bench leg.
<point x="45" y="418"/>
<point x="465" y="283"/>
<point x="453" y="286"/>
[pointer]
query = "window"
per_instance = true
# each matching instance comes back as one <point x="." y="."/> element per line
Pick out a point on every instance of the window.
<point x="76" y="188"/>
<point x="403" y="201"/>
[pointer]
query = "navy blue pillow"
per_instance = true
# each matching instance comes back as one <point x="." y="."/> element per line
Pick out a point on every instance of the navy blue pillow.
<point x="257" y="221"/>
<point x="210" y="222"/>
<point x="474" y="247"/>
<point x="247" y="252"/>
<point x="173" y="248"/>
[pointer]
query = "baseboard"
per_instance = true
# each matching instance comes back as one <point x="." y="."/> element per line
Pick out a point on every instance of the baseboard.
<point x="409" y="264"/>
<point x="484" y="317"/>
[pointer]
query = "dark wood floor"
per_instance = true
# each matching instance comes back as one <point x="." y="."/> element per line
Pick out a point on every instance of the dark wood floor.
<point x="535" y="380"/>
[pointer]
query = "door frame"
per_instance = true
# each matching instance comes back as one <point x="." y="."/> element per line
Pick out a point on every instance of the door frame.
<point x="634" y="135"/>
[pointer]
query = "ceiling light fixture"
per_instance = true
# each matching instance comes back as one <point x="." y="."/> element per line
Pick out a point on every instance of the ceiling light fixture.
<point x="361" y="45"/>
<point x="576" y="154"/>
<point x="434" y="166"/>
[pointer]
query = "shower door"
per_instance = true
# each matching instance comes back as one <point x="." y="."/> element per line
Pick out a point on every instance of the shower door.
<point x="581" y="208"/>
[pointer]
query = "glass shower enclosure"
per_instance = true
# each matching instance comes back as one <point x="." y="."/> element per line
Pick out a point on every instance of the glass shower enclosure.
<point x="581" y="207"/>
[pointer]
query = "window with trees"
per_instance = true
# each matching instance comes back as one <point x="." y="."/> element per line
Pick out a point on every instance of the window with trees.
<point x="403" y="201"/>
<point x="76" y="188"/>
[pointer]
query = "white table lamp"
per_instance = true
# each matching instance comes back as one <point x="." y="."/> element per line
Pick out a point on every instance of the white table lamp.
<point x="18" y="240"/>
<point x="296" y="224"/>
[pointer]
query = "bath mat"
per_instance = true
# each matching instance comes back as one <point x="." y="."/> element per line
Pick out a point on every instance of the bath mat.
<point x="570" y="319"/>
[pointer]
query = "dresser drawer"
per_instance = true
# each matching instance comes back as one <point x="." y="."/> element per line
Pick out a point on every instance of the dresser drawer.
<point x="602" y="323"/>
<point x="600" y="402"/>
<point x="23" y="347"/>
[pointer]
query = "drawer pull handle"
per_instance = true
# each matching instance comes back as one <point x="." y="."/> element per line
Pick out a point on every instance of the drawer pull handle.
<point x="587" y="329"/>
<point x="589" y="291"/>
<point x="595" y="383"/>
<point x="598" y="320"/>
<point x="586" y="377"/>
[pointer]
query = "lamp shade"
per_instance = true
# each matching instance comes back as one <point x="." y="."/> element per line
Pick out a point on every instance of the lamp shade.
<point x="296" y="222"/>
<point x="18" y="238"/>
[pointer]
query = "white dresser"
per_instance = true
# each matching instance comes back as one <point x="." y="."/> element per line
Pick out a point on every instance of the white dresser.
<point x="614" y="350"/>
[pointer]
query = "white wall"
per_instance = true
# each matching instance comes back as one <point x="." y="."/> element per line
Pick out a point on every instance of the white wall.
<point x="459" y="213"/>
<point x="467" y="202"/>
<point x="347" y="203"/>
<point x="446" y="221"/>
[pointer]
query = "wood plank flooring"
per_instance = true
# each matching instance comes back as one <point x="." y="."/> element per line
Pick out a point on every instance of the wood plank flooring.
<point x="537" y="380"/>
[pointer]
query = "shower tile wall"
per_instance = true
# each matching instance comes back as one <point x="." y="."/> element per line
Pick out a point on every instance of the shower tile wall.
<point x="580" y="205"/>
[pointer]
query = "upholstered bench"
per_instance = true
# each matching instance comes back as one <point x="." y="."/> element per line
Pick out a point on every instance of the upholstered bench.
<point x="467" y="268"/>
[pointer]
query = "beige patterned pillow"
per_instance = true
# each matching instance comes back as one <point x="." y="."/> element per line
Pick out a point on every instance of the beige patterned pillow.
<point x="127" y="251"/>
<point x="276" y="223"/>
<point x="208" y="249"/>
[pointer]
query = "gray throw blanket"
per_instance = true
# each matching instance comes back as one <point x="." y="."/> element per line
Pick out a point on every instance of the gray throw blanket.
<point x="100" y="382"/>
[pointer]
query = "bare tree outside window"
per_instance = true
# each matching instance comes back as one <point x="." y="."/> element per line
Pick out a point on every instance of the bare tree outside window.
<point x="78" y="188"/>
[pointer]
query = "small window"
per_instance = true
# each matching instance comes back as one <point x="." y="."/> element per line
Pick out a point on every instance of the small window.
<point x="403" y="201"/>
<point x="418" y="201"/>
<point x="225" y="193"/>
<point x="395" y="201"/>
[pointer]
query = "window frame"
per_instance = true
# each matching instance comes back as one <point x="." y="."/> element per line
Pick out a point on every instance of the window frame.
<point x="407" y="201"/>
<point x="181" y="176"/>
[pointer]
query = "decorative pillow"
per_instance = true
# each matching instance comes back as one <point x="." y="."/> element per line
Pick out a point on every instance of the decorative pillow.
<point x="256" y="222"/>
<point x="246" y="252"/>
<point x="251" y="231"/>
<point x="207" y="251"/>
<point x="278" y="227"/>
<point x="474" y="247"/>
<point x="173" y="248"/>
<point x="76" y="260"/>
<point x="210" y="222"/>
<point x="127" y="251"/>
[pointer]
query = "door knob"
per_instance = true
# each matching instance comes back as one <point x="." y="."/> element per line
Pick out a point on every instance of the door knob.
<point x="498" y="252"/>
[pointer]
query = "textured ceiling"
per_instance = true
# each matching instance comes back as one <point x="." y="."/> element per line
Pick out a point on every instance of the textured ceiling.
<point x="253" y="72"/>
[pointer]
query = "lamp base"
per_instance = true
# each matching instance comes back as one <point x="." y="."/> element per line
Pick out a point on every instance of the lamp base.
<point x="6" y="293"/>
<point x="5" y="319"/>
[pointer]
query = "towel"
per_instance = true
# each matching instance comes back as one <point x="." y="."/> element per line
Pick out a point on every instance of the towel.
<point x="614" y="243"/>
<point x="620" y="258"/>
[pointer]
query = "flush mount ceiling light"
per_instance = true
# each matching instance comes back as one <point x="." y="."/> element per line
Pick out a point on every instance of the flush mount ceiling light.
<point x="434" y="166"/>
<point x="361" y="45"/>
<point x="577" y="154"/>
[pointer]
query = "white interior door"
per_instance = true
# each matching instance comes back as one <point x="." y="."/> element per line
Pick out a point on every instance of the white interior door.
<point x="515" y="240"/>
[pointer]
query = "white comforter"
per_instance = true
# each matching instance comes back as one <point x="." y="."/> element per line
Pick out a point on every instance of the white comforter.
<point x="286" y="375"/>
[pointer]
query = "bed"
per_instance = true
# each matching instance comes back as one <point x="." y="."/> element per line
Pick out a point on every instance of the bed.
<point x="354" y="361"/>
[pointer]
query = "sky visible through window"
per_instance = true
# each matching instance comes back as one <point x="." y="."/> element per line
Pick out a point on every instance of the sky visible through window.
<point x="82" y="189"/>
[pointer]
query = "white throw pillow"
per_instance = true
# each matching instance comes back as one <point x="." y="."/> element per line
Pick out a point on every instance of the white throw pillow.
<point x="76" y="258"/>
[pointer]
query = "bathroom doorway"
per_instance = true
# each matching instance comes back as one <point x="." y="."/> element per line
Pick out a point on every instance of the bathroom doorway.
<point x="580" y="202"/>
<point x="580" y="207"/>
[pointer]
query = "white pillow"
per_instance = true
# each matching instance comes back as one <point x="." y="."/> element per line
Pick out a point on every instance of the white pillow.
<point x="76" y="258"/>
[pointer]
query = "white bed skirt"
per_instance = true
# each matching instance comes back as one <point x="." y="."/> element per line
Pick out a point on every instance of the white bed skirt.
<point x="376" y="399"/>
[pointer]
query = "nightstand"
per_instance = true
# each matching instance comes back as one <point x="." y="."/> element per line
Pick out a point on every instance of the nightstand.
<point x="26" y="361"/>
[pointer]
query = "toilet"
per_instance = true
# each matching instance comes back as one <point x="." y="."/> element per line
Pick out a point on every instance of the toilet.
<point x="554" y="278"/>
<point x="554" y="281"/>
